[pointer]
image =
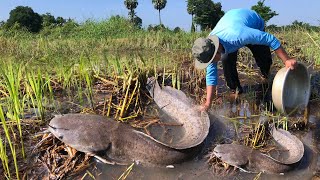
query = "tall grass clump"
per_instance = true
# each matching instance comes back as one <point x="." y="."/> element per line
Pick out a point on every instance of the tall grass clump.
<point x="85" y="77"/>
<point x="124" y="77"/>
<point x="12" y="77"/>
<point x="115" y="27"/>
<point x="4" y="158"/>
<point x="3" y="152"/>
<point x="35" y="88"/>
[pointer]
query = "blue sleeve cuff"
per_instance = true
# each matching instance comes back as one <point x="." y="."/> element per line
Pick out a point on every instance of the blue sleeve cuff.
<point x="212" y="74"/>
<point x="275" y="44"/>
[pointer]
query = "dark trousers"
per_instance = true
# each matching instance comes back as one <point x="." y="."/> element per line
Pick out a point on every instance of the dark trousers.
<point x="261" y="54"/>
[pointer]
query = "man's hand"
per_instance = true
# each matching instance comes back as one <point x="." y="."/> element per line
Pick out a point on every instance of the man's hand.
<point x="204" y="107"/>
<point x="287" y="61"/>
<point x="291" y="63"/>
<point x="218" y="100"/>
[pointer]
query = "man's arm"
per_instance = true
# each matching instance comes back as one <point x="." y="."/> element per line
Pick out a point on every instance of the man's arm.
<point x="211" y="89"/>
<point x="287" y="61"/>
<point x="211" y="82"/>
<point x="254" y="36"/>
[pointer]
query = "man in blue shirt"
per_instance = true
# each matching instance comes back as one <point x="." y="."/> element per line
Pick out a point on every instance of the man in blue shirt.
<point x="236" y="29"/>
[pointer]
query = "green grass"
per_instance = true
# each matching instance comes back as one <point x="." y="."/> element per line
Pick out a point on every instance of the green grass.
<point x="35" y="88"/>
<point x="3" y="148"/>
<point x="12" y="75"/>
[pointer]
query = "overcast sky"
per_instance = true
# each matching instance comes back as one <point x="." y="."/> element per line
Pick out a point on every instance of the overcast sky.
<point x="174" y="14"/>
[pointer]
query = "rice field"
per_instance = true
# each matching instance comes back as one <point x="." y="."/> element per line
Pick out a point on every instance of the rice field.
<point x="41" y="72"/>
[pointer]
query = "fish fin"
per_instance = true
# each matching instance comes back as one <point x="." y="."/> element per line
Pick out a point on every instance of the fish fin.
<point x="246" y="171"/>
<point x="150" y="137"/>
<point x="109" y="160"/>
<point x="173" y="146"/>
<point x="268" y="156"/>
<point x="178" y="94"/>
<point x="41" y="142"/>
<point x="153" y="84"/>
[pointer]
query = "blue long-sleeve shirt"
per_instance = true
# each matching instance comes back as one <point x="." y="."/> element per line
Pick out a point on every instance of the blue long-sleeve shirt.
<point x="236" y="29"/>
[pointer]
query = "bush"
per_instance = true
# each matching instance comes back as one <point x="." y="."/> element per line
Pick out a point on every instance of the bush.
<point x="177" y="30"/>
<point x="26" y="18"/>
<point x="160" y="27"/>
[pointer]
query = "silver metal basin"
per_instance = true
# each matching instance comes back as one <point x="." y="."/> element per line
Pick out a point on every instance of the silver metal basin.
<point x="291" y="89"/>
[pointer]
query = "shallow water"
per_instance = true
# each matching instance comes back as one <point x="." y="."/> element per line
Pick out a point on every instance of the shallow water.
<point x="222" y="130"/>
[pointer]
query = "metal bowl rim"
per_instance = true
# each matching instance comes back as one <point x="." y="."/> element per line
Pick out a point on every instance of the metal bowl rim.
<point x="284" y="83"/>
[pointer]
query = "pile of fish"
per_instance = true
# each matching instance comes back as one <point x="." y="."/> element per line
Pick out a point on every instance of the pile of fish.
<point x="118" y="143"/>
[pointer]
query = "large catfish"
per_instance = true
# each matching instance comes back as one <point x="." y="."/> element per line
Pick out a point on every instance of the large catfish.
<point x="122" y="144"/>
<point x="253" y="161"/>
<point x="118" y="142"/>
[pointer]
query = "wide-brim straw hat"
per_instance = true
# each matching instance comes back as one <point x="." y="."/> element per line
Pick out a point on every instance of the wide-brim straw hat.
<point x="204" y="50"/>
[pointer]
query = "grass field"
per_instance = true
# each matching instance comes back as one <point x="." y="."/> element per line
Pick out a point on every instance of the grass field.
<point x="69" y="62"/>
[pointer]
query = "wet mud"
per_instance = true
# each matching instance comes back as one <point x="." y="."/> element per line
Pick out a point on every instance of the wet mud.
<point x="228" y="123"/>
<point x="223" y="131"/>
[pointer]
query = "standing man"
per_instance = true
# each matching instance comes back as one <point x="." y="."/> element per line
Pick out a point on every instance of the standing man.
<point x="236" y="29"/>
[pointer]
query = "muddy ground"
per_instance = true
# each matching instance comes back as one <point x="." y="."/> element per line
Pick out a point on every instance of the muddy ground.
<point x="54" y="160"/>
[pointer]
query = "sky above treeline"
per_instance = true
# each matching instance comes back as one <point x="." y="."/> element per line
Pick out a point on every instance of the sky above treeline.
<point x="173" y="15"/>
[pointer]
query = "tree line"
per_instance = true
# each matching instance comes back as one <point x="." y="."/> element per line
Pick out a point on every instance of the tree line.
<point x="204" y="16"/>
<point x="204" y="13"/>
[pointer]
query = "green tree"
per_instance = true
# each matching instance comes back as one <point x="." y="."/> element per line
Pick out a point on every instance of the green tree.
<point x="159" y="5"/>
<point x="60" y="21"/>
<point x="137" y="21"/>
<point x="191" y="7"/>
<point x="131" y="5"/>
<point x="297" y="23"/>
<point x="26" y="18"/>
<point x="265" y="11"/>
<point x="48" y="20"/>
<point x="177" y="30"/>
<point x="2" y="23"/>
<point x="206" y="13"/>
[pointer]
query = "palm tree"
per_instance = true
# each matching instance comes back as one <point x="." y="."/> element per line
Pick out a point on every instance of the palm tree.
<point x="159" y="5"/>
<point x="131" y="5"/>
<point x="191" y="7"/>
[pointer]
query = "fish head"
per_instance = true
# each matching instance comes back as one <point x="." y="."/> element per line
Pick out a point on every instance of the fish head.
<point x="233" y="154"/>
<point x="84" y="132"/>
<point x="56" y="127"/>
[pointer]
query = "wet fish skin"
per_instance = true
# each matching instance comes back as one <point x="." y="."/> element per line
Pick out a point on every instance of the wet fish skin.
<point x="183" y="110"/>
<point x="259" y="162"/>
<point x="233" y="154"/>
<point x="118" y="141"/>
<point x="289" y="142"/>
<point x="140" y="147"/>
<point x="85" y="133"/>
<point x="250" y="160"/>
